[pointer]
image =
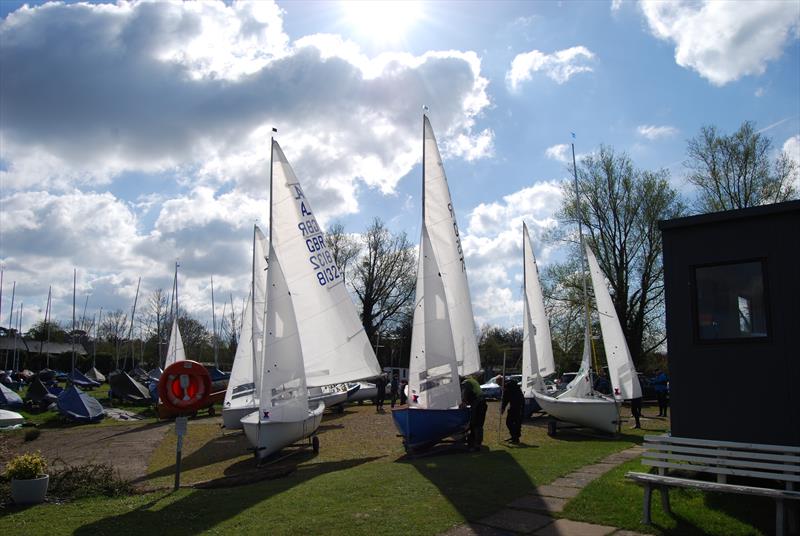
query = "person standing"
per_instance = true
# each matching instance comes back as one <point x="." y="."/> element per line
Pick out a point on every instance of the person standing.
<point x="472" y="396"/>
<point x="515" y="400"/>
<point x="661" y="385"/>
<point x="636" y="410"/>
<point x="395" y="388"/>
<point x="403" y="392"/>
<point x="380" y="384"/>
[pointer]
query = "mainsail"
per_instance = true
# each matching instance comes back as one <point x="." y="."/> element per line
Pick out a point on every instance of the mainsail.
<point x="175" y="351"/>
<point x="621" y="371"/>
<point x="335" y="347"/>
<point x="537" y="346"/>
<point x="440" y="220"/>
<point x="246" y="368"/>
<point x="433" y="375"/>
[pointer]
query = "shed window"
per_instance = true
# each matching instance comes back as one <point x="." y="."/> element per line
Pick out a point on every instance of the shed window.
<point x="731" y="301"/>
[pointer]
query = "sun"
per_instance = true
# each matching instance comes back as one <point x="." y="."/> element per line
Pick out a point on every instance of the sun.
<point x="382" y="21"/>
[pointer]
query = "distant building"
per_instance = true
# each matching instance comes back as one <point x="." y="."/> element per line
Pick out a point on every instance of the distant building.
<point x="732" y="284"/>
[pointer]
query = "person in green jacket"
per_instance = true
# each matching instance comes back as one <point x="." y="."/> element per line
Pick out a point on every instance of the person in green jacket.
<point x="472" y="397"/>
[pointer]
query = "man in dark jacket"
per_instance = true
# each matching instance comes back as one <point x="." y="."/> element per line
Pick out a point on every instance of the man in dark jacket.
<point x="380" y="384"/>
<point x="515" y="400"/>
<point x="472" y="396"/>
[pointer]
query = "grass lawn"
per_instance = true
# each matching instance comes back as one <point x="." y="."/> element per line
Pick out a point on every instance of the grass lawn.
<point x="360" y="483"/>
<point x="614" y="500"/>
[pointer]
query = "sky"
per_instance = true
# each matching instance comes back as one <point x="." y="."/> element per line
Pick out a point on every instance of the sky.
<point x="136" y="133"/>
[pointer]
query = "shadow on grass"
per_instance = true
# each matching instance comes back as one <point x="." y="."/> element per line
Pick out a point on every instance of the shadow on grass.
<point x="202" y="510"/>
<point x="477" y="484"/>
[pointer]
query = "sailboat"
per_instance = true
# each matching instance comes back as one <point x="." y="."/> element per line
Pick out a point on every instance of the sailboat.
<point x="443" y="342"/>
<point x="537" y="346"/>
<point x="580" y="403"/>
<point x="241" y="395"/>
<point x="312" y="335"/>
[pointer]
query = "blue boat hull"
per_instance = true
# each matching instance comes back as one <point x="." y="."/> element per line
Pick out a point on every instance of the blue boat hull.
<point x="422" y="428"/>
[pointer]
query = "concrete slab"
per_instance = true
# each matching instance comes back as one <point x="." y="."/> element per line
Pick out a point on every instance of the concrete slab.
<point x="598" y="468"/>
<point x="516" y="520"/>
<point x="571" y="481"/>
<point x="565" y="527"/>
<point x="629" y="533"/>
<point x="539" y="503"/>
<point x="586" y="477"/>
<point x="558" y="491"/>
<point x="475" y="529"/>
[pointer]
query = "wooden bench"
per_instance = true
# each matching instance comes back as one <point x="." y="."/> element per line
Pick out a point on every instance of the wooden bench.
<point x="776" y="464"/>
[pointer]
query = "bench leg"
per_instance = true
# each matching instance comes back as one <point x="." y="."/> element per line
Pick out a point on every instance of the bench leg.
<point x="665" y="500"/>
<point x="646" y="506"/>
<point x="779" y="526"/>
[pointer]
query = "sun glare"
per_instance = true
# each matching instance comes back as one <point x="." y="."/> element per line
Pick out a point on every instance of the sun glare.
<point x="383" y="21"/>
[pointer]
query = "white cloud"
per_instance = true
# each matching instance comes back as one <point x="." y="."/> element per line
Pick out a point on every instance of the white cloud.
<point x="559" y="66"/>
<point x="616" y="5"/>
<point x="653" y="132"/>
<point x="558" y="152"/>
<point x="723" y="41"/>
<point x="760" y="92"/>
<point x="493" y="248"/>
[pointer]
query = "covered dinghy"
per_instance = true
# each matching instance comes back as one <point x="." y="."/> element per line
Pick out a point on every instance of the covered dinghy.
<point x="77" y="406"/>
<point x="47" y="375"/>
<point x="77" y="378"/>
<point x="95" y="375"/>
<point x="126" y="388"/>
<point x="38" y="393"/>
<point x="9" y="399"/>
<point x="10" y="419"/>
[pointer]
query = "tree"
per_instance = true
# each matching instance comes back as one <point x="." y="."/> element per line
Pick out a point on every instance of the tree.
<point x="735" y="171"/>
<point x="344" y="248"/>
<point x="42" y="329"/>
<point x="619" y="208"/>
<point x="196" y="338"/>
<point x="157" y="313"/>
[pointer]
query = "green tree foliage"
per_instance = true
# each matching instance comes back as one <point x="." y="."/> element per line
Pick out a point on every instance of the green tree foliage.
<point x="494" y="343"/>
<point x="619" y="207"/>
<point x="41" y="330"/>
<point x="737" y="171"/>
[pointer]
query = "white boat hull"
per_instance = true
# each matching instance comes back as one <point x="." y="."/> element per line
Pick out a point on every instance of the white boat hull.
<point x="598" y="412"/>
<point x="232" y="417"/>
<point x="367" y="391"/>
<point x="268" y="437"/>
<point x="10" y="418"/>
<point x="329" y="399"/>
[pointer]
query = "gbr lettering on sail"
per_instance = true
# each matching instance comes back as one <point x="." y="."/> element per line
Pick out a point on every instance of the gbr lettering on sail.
<point x="320" y="257"/>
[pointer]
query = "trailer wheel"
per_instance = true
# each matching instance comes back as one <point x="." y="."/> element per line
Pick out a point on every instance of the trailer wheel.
<point x="552" y="428"/>
<point x="315" y="444"/>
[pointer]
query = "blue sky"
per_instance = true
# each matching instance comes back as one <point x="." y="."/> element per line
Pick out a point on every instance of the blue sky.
<point x="136" y="133"/>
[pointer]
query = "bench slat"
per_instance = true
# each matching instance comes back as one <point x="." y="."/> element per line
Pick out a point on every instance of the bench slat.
<point x="712" y="486"/>
<point x="782" y="470"/>
<point x="787" y="458"/>
<point x="729" y="444"/>
<point x="724" y="471"/>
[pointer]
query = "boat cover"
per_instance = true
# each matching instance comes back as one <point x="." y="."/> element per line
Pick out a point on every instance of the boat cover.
<point x="77" y="377"/>
<point x="9" y="399"/>
<point x="126" y="388"/>
<point x="155" y="374"/>
<point x="39" y="393"/>
<point x="96" y="375"/>
<point x="217" y="375"/>
<point x="9" y="419"/>
<point x="47" y="375"/>
<point x="77" y="406"/>
<point x="139" y="374"/>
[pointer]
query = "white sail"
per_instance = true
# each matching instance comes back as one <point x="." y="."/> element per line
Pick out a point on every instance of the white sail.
<point x="542" y="364"/>
<point x="283" y="394"/>
<point x="175" y="351"/>
<point x="432" y="373"/>
<point x="335" y="347"/>
<point x="621" y="371"/>
<point x="440" y="220"/>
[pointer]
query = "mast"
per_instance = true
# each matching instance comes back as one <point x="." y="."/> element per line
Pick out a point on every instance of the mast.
<point x="130" y="330"/>
<point x="96" y="335"/>
<point x="17" y="355"/>
<point x="214" y="325"/>
<point x="46" y="326"/>
<point x="253" y="344"/>
<point x="587" y="318"/>
<point x="74" y="290"/>
<point x="424" y="118"/>
<point x="10" y="321"/>
<point x="94" y="342"/>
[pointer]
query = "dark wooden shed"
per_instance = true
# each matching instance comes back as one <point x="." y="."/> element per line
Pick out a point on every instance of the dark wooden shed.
<point x="732" y="284"/>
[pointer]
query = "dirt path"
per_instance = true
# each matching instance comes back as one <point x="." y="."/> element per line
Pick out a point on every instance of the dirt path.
<point x="126" y="447"/>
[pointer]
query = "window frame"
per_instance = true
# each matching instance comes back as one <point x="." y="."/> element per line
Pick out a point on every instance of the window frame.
<point x="695" y="319"/>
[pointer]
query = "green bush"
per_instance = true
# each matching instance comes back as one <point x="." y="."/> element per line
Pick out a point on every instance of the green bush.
<point x="26" y="466"/>
<point x="87" y="480"/>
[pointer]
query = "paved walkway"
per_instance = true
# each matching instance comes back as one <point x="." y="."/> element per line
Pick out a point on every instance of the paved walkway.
<point x="531" y="514"/>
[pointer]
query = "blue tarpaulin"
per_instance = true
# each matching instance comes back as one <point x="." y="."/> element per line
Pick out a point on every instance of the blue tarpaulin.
<point x="9" y="399"/>
<point x="76" y="405"/>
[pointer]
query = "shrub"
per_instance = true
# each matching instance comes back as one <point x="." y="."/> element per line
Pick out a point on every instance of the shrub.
<point x="32" y="434"/>
<point x="26" y="466"/>
<point x="87" y="480"/>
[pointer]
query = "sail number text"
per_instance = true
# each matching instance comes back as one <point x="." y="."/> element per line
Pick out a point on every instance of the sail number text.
<point x="321" y="259"/>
